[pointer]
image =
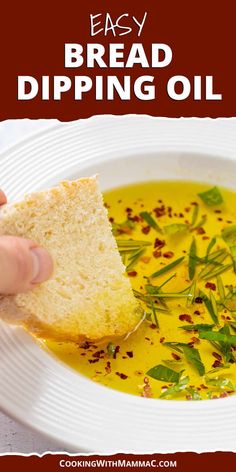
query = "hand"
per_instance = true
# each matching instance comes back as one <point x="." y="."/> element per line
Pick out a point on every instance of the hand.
<point x="23" y="264"/>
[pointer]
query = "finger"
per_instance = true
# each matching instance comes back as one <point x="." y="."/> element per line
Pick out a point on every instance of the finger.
<point x="23" y="265"/>
<point x="3" y="198"/>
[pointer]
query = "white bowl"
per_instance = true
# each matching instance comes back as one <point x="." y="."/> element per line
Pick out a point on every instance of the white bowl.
<point x="35" y="387"/>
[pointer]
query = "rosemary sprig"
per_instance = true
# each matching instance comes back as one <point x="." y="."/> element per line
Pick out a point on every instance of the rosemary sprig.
<point x="167" y="268"/>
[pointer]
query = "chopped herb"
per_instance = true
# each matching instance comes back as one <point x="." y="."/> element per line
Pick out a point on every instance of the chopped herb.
<point x="150" y="221"/>
<point x="210" y="246"/>
<point x="193" y="394"/>
<point x="197" y="327"/>
<point x="175" y="228"/>
<point x="229" y="234"/>
<point x="131" y="244"/>
<point x="218" y="336"/>
<point x="178" y="387"/>
<point x="210" y="304"/>
<point x="220" y="382"/>
<point x="161" y="372"/>
<point x="200" y="223"/>
<point x="195" y="214"/>
<point x="167" y="267"/>
<point x="211" y="197"/>
<point x="111" y="349"/>
<point x="134" y="258"/>
<point x="193" y="356"/>
<point x="192" y="259"/>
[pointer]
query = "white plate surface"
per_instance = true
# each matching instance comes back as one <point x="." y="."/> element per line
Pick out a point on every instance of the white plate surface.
<point x="43" y="393"/>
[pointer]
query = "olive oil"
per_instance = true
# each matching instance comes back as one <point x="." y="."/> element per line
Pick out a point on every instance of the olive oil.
<point x="182" y="256"/>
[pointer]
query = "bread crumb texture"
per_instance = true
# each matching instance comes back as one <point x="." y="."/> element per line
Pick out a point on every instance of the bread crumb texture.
<point x="89" y="295"/>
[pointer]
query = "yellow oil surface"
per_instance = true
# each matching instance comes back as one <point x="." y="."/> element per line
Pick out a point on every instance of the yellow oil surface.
<point x="168" y="202"/>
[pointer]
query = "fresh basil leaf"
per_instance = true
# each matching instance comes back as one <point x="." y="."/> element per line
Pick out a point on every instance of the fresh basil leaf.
<point x="193" y="356"/>
<point x="217" y="336"/>
<point x="211" y="197"/>
<point x="161" y="372"/>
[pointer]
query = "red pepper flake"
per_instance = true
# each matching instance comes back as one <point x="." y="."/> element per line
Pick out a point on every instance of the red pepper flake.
<point x="194" y="203"/>
<point x="210" y="285"/>
<point x="216" y="364"/>
<point x="146" y="229"/>
<point x="191" y="344"/>
<point x="228" y="318"/>
<point x="217" y="356"/>
<point x="147" y="391"/>
<point x="152" y="326"/>
<point x="205" y="238"/>
<point x="187" y="209"/>
<point x="197" y="312"/>
<point x="159" y="244"/>
<point x="111" y="219"/>
<point x="130" y="353"/>
<point x="134" y="218"/>
<point x="83" y="354"/>
<point x="217" y="211"/>
<point x="117" y="349"/>
<point x="168" y="254"/>
<point x="189" y="397"/>
<point x="133" y="273"/>
<point x="198" y="300"/>
<point x="157" y="253"/>
<point x="128" y="210"/>
<point x="160" y="211"/>
<point x="92" y="361"/>
<point x="223" y="395"/>
<point x="185" y="317"/>
<point x="200" y="231"/>
<point x="220" y="219"/>
<point x="162" y="339"/>
<point x="175" y="356"/>
<point x="98" y="354"/>
<point x="122" y="376"/>
<point x="147" y="339"/>
<point x="108" y="367"/>
<point x="204" y="386"/>
<point x="195" y="340"/>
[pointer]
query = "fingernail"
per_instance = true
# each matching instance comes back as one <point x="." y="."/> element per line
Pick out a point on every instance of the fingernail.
<point x="42" y="265"/>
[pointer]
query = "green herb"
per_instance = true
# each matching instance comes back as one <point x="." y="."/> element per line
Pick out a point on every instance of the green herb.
<point x="111" y="349"/>
<point x="150" y="221"/>
<point x="192" y="259"/>
<point x="161" y="372"/>
<point x="193" y="356"/>
<point x="200" y="223"/>
<point x="175" y="228"/>
<point x="126" y="227"/>
<point x="218" y="336"/>
<point x="191" y="294"/>
<point x="173" y="362"/>
<point x="218" y="271"/>
<point x="197" y="327"/>
<point x="233" y="254"/>
<point x="154" y="312"/>
<point x="131" y="244"/>
<point x="211" y="197"/>
<point x="194" y="393"/>
<point x="134" y="258"/>
<point x="229" y="234"/>
<point x="178" y="387"/>
<point x="213" y="264"/>
<point x="220" y="382"/>
<point x="195" y="214"/>
<point x="167" y="268"/>
<point x="210" y="304"/>
<point x="210" y="246"/>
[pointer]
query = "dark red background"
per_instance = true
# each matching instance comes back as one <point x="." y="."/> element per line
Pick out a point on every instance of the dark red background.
<point x="201" y="33"/>
<point x="186" y="462"/>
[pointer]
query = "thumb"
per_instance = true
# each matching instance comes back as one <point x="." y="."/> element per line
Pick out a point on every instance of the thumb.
<point x="23" y="264"/>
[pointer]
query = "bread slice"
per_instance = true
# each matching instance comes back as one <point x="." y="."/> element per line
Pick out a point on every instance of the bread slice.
<point x="89" y="295"/>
